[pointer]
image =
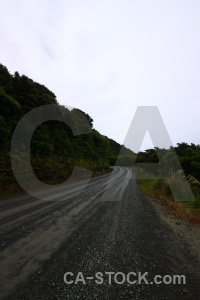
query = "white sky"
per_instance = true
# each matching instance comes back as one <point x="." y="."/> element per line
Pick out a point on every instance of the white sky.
<point x="108" y="57"/>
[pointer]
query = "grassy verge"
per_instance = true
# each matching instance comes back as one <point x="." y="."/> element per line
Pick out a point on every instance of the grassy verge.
<point x="159" y="189"/>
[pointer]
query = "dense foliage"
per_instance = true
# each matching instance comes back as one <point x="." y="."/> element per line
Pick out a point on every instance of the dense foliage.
<point x="54" y="148"/>
<point x="188" y="156"/>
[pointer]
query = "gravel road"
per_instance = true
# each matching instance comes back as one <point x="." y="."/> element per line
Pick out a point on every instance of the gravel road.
<point x="108" y="227"/>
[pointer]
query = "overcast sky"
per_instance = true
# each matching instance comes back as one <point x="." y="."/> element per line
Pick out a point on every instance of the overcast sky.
<point x="108" y="57"/>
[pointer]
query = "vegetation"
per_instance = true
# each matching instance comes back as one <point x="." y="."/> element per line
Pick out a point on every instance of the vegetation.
<point x="54" y="148"/>
<point x="189" y="157"/>
<point x="160" y="190"/>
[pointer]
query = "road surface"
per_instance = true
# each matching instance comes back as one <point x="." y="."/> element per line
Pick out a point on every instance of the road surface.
<point x="109" y="226"/>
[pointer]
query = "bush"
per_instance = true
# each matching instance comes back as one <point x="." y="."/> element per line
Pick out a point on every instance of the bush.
<point x="158" y="184"/>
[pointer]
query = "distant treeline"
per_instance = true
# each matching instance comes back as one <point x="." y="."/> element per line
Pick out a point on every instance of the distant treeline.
<point x="166" y="160"/>
<point x="188" y="156"/>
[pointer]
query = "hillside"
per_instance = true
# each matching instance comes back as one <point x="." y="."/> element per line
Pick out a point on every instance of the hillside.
<point x="54" y="148"/>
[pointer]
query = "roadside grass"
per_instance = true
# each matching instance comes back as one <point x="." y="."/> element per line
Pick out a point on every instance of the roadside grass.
<point x="159" y="189"/>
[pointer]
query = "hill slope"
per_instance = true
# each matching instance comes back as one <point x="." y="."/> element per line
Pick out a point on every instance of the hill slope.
<point x="54" y="149"/>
